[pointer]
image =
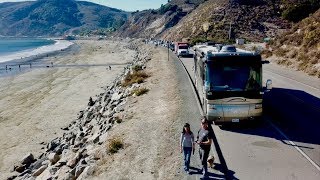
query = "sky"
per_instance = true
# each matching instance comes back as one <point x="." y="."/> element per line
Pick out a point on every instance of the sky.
<point x="127" y="5"/>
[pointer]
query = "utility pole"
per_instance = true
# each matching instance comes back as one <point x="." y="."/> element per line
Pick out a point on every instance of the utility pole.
<point x="168" y="50"/>
<point x="230" y="31"/>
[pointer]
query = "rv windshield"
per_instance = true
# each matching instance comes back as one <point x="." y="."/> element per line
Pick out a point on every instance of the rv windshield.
<point x="230" y="77"/>
<point x="183" y="47"/>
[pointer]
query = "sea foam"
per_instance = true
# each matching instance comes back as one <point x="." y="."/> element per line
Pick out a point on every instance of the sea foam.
<point x="58" y="46"/>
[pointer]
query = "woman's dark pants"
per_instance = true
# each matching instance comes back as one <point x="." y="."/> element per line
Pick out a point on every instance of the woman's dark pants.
<point x="187" y="154"/>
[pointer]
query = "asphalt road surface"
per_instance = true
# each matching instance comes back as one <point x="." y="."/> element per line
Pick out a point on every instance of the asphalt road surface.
<point x="286" y="145"/>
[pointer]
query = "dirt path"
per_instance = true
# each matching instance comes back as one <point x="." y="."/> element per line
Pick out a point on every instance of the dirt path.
<point x="150" y="131"/>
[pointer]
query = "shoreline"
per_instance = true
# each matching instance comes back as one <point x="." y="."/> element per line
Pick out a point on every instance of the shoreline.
<point x="26" y="55"/>
<point x="37" y="61"/>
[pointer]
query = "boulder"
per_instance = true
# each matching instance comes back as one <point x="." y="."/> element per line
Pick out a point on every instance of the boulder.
<point x="94" y="138"/>
<point x="88" y="171"/>
<point x="69" y="176"/>
<point x="79" y="170"/>
<point x="119" y="108"/>
<point x="73" y="162"/>
<point x="27" y="159"/>
<point x="20" y="168"/>
<point x="53" y="157"/>
<point x="37" y="164"/>
<point x="91" y="102"/>
<point x="40" y="170"/>
<point x="115" y="96"/>
<point x="53" y="170"/>
<point x="53" y="144"/>
<point x="44" y="175"/>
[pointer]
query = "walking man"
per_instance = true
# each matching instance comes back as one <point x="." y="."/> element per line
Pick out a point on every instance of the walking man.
<point x="204" y="140"/>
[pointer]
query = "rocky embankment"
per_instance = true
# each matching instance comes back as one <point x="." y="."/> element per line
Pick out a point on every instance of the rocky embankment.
<point x="72" y="155"/>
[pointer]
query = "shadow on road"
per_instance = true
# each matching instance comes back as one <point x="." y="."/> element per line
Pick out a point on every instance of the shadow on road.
<point x="296" y="112"/>
<point x="194" y="170"/>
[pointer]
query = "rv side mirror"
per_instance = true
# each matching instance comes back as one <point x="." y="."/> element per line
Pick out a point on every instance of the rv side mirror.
<point x="265" y="62"/>
<point x="269" y="84"/>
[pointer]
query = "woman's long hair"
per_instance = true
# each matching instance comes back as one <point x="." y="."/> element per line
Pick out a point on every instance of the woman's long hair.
<point x="186" y="125"/>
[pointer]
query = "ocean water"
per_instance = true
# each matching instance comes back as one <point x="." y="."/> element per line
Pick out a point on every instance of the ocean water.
<point x="10" y="45"/>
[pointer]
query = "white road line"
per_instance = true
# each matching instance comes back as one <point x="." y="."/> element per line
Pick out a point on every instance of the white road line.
<point x="294" y="145"/>
<point x="293" y="80"/>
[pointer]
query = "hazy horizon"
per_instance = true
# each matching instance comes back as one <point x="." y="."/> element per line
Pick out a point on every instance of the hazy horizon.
<point x="126" y="5"/>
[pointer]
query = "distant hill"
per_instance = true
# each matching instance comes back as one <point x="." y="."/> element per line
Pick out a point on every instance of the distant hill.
<point x="56" y="17"/>
<point x="299" y="47"/>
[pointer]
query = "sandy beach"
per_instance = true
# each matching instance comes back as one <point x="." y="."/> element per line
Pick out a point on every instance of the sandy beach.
<point x="35" y="105"/>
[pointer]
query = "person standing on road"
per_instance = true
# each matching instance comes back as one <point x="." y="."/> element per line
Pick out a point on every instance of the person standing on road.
<point x="204" y="140"/>
<point x="186" y="145"/>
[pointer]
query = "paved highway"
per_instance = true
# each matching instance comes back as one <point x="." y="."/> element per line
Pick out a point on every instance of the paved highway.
<point x="263" y="151"/>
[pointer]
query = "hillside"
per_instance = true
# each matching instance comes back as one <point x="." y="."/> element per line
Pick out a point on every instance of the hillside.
<point x="56" y="17"/>
<point x="152" y="23"/>
<point x="299" y="47"/>
<point x="208" y="19"/>
<point x="251" y="20"/>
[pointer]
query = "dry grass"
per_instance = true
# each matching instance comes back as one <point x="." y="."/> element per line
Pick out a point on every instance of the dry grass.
<point x="140" y="91"/>
<point x="281" y="52"/>
<point x="293" y="54"/>
<point x="137" y="68"/>
<point x="303" y="58"/>
<point x="115" y="145"/>
<point x="135" y="77"/>
<point x="266" y="53"/>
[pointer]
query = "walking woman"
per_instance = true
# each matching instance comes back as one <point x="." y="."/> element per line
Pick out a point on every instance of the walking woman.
<point x="186" y="145"/>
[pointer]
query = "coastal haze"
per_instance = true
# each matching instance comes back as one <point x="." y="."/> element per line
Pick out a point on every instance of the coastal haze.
<point x="103" y="97"/>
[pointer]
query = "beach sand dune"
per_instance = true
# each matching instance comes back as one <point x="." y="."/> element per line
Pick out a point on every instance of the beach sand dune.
<point x="35" y="105"/>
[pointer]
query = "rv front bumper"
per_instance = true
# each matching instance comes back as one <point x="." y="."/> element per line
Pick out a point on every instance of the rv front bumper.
<point x="233" y="113"/>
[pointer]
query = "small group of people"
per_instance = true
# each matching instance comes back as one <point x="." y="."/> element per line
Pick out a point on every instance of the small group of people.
<point x="203" y="140"/>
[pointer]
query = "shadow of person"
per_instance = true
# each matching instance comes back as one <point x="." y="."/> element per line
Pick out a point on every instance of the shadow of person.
<point x="213" y="176"/>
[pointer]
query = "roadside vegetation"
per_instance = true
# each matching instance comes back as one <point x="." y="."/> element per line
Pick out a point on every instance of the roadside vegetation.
<point x="135" y="77"/>
<point x="140" y="91"/>
<point x="115" y="145"/>
<point x="298" y="47"/>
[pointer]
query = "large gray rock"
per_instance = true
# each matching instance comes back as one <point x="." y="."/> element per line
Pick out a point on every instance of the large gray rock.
<point x="28" y="159"/>
<point x="88" y="171"/>
<point x="20" y="168"/>
<point x="115" y="96"/>
<point x="69" y="176"/>
<point x="44" y="175"/>
<point x="53" y="144"/>
<point x="39" y="170"/>
<point x="53" y="157"/>
<point x="119" y="108"/>
<point x="73" y="162"/>
<point x="79" y="169"/>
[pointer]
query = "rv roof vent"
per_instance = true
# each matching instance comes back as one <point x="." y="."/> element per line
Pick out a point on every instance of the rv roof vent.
<point x="228" y="48"/>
